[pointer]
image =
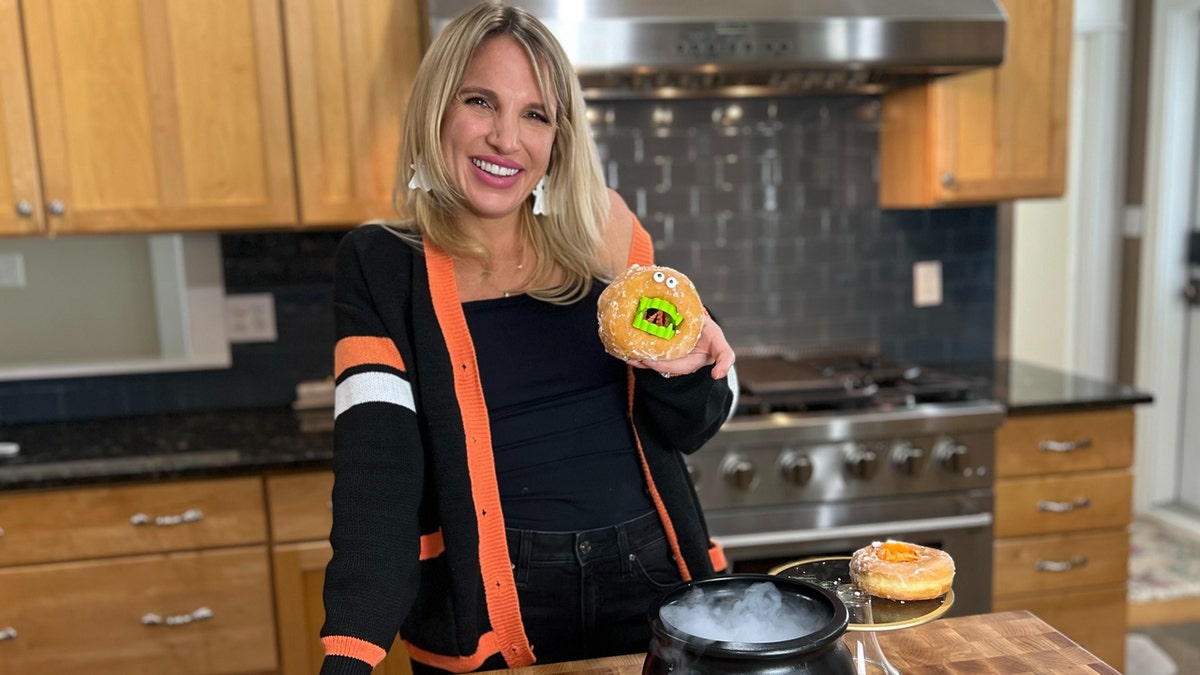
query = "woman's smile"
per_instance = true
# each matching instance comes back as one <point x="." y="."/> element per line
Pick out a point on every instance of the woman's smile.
<point x="497" y="171"/>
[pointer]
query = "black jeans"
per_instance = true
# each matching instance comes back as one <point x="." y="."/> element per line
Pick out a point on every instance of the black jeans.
<point x="586" y="594"/>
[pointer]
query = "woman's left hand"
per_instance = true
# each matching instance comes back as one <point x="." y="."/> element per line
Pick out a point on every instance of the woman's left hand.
<point x="710" y="348"/>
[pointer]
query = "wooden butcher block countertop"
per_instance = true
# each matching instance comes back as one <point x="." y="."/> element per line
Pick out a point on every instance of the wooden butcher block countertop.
<point x="1005" y="643"/>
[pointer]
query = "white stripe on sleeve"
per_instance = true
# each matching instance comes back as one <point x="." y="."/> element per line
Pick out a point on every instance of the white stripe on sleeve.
<point x="372" y="388"/>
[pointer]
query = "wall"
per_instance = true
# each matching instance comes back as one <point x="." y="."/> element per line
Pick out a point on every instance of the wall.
<point x="1067" y="255"/>
<point x="770" y="206"/>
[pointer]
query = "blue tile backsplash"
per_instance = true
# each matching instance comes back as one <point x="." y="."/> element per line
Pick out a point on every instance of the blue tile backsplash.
<point x="768" y="205"/>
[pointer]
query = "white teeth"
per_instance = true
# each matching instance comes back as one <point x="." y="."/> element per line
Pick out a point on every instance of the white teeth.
<point x="494" y="169"/>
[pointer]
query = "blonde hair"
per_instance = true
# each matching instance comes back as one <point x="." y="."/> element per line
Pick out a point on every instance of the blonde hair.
<point x="570" y="237"/>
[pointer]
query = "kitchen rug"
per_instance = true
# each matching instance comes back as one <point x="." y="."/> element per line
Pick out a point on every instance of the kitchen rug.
<point x="1164" y="562"/>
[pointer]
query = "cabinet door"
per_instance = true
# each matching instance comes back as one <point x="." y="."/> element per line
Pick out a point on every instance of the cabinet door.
<point x="299" y="578"/>
<point x="1063" y="503"/>
<point x="1033" y="445"/>
<point x="351" y="65"/>
<point x="181" y="613"/>
<point x="20" y="202"/>
<point x="989" y="135"/>
<point x="156" y="116"/>
<point x="300" y="507"/>
<point x="60" y="525"/>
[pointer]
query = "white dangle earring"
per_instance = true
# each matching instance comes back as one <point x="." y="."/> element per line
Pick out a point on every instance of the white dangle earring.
<point x="539" y="198"/>
<point x="420" y="179"/>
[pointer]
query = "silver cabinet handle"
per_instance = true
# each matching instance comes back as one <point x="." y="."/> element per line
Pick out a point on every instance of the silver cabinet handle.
<point x="1063" y="507"/>
<point x="56" y="207"/>
<point x="189" y="516"/>
<point x="152" y="619"/>
<point x="24" y="208"/>
<point x="948" y="179"/>
<point x="1065" y="446"/>
<point x="1061" y="565"/>
<point x="9" y="633"/>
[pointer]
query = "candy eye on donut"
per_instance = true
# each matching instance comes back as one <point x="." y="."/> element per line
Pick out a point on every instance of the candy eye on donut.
<point x="659" y="276"/>
<point x="672" y="282"/>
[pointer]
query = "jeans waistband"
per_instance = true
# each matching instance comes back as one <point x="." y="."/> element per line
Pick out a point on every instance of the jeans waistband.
<point x="585" y="545"/>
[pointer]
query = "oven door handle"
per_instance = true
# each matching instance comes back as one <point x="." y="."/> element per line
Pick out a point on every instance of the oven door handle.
<point x="974" y="520"/>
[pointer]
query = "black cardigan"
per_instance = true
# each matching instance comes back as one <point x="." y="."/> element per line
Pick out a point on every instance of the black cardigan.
<point x="418" y="535"/>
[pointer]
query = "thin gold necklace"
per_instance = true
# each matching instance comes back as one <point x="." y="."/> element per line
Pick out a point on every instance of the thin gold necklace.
<point x="509" y="292"/>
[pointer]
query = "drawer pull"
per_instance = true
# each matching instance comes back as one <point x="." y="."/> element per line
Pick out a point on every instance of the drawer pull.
<point x="1061" y="565"/>
<point x="189" y="516"/>
<point x="1063" y="507"/>
<point x="152" y="619"/>
<point x="9" y="633"/>
<point x="1065" y="446"/>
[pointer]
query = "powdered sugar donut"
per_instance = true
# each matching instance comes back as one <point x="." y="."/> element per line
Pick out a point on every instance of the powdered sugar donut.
<point x="650" y="313"/>
<point x="898" y="570"/>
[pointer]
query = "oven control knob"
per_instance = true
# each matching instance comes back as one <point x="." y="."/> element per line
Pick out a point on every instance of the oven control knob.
<point x="796" y="467"/>
<point x="738" y="471"/>
<point x="952" y="455"/>
<point x="907" y="458"/>
<point x="861" y="463"/>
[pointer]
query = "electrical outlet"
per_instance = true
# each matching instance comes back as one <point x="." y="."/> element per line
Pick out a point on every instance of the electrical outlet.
<point x="12" y="270"/>
<point x="250" y="317"/>
<point x="927" y="283"/>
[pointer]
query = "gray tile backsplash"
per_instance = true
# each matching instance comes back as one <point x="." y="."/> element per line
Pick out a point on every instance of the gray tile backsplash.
<point x="769" y="205"/>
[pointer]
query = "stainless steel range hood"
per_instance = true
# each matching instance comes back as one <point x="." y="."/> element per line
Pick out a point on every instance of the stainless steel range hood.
<point x="673" y="48"/>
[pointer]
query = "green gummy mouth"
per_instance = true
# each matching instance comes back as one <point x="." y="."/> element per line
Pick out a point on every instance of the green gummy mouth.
<point x="657" y="317"/>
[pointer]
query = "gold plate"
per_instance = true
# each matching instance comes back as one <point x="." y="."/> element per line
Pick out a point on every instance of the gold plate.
<point x="832" y="573"/>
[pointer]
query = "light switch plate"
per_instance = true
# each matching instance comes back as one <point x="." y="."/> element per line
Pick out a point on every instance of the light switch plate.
<point x="927" y="283"/>
<point x="250" y="317"/>
<point x="12" y="270"/>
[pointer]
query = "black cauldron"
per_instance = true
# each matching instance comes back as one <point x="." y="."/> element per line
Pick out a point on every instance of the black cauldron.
<point x="817" y="652"/>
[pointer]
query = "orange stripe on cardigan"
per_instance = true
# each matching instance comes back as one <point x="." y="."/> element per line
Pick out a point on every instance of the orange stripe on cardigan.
<point x="716" y="553"/>
<point x="432" y="545"/>
<point x="456" y="664"/>
<point x="504" y="609"/>
<point x="344" y="645"/>
<point x="663" y="515"/>
<point x="641" y="250"/>
<point x="358" y="350"/>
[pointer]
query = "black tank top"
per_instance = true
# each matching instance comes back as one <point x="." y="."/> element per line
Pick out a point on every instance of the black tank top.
<point x="564" y="451"/>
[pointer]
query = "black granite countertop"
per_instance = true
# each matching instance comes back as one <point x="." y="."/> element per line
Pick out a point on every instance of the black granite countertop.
<point x="155" y="447"/>
<point x="246" y="442"/>
<point x="1026" y="389"/>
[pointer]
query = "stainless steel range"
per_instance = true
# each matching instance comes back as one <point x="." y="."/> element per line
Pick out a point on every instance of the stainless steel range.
<point x="824" y="455"/>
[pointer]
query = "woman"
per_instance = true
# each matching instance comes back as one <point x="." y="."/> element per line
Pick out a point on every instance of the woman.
<point x="505" y="491"/>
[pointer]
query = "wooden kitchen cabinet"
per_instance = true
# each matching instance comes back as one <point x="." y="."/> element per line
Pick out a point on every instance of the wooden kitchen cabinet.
<point x="166" y="115"/>
<point x="351" y="65"/>
<point x="110" y="616"/>
<point x="157" y="578"/>
<point x="84" y="523"/>
<point x="300" y="522"/>
<point x="1063" y="507"/>
<point x="20" y="196"/>
<point x="988" y="135"/>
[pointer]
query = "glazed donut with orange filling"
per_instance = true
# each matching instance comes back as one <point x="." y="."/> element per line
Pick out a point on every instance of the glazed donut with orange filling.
<point x="898" y="570"/>
<point x="650" y="313"/>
